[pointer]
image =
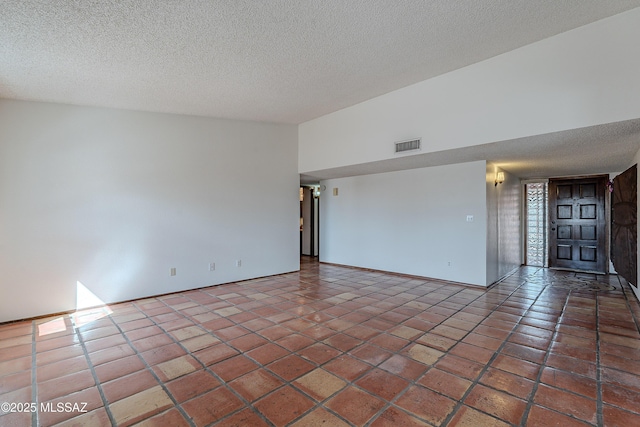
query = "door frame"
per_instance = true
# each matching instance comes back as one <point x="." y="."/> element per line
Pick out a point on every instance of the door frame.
<point x="604" y="221"/>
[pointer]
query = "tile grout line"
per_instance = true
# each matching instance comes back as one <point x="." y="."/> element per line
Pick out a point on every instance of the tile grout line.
<point x="599" y="403"/>
<point x="495" y="355"/>
<point x="320" y="404"/>
<point x="518" y="298"/>
<point x="148" y="367"/>
<point x="93" y="372"/>
<point x="223" y="383"/>
<point x="411" y="383"/>
<point x="518" y="302"/>
<point x="534" y="390"/>
<point x="397" y="352"/>
<point x="628" y="304"/>
<point x="414" y="382"/>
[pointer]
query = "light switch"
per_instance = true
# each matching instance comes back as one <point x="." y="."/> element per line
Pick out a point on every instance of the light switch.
<point x="335" y="191"/>
<point x="469" y="218"/>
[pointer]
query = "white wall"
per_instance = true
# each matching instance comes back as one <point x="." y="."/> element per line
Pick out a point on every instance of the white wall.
<point x="584" y="77"/>
<point x="504" y="244"/>
<point x="493" y="236"/>
<point x="411" y="221"/>
<point x="114" y="199"/>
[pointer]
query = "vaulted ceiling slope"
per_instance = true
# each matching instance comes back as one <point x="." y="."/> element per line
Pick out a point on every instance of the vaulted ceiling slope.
<point x="285" y="61"/>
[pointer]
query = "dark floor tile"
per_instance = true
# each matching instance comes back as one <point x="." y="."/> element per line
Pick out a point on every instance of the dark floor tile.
<point x="620" y="363"/>
<point x="482" y="341"/>
<point x="342" y="342"/>
<point x="267" y="353"/>
<point x="255" y="384"/>
<point x="572" y="365"/>
<point x="295" y="342"/>
<point x="616" y="417"/>
<point x="246" y="417"/>
<point x="540" y="416"/>
<point x="192" y="385"/>
<point x="215" y="353"/>
<point x="283" y="405"/>
<point x="383" y="384"/>
<point x="565" y="402"/>
<point x="394" y="417"/>
<point x="233" y="367"/>
<point x="404" y="367"/>
<point x="516" y="366"/>
<point x="513" y="384"/>
<point x="212" y="406"/>
<point x="319" y="353"/>
<point x="501" y="405"/>
<point x="578" y="384"/>
<point x="426" y="404"/>
<point x="290" y="367"/>
<point x="158" y="355"/>
<point x="389" y="342"/>
<point x="445" y="383"/>
<point x="469" y="417"/>
<point x="472" y="352"/>
<point x="371" y="354"/>
<point x="525" y="353"/>
<point x="621" y="397"/>
<point x="355" y="405"/>
<point x="437" y="341"/>
<point x="347" y="367"/>
<point x="460" y="367"/>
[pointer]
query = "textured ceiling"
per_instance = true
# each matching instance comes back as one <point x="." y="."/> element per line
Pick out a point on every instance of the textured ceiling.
<point x="290" y="61"/>
<point x="268" y="60"/>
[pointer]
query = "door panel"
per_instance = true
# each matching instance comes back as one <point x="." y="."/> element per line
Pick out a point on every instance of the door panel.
<point x="577" y="224"/>
<point x="624" y="229"/>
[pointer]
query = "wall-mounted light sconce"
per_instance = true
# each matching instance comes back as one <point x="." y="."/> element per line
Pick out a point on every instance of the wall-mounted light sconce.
<point x="499" y="178"/>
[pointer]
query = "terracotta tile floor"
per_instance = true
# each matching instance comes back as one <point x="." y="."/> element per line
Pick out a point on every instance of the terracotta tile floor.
<point x="336" y="346"/>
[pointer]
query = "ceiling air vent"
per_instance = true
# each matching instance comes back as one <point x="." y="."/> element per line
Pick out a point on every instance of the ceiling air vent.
<point x="413" y="144"/>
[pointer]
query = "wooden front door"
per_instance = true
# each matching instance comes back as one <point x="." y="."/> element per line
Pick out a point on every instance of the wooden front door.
<point x="577" y="224"/>
<point x="624" y="227"/>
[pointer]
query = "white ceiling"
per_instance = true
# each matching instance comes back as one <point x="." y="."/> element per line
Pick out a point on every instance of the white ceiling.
<point x="284" y="61"/>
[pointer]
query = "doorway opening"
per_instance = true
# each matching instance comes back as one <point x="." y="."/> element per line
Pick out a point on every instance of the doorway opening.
<point x="309" y="220"/>
<point x="578" y="223"/>
<point x="536" y="223"/>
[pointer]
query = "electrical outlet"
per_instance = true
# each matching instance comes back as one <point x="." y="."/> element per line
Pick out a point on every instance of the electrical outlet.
<point x="212" y="266"/>
<point x="238" y="263"/>
<point x="449" y="264"/>
<point x="173" y="271"/>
